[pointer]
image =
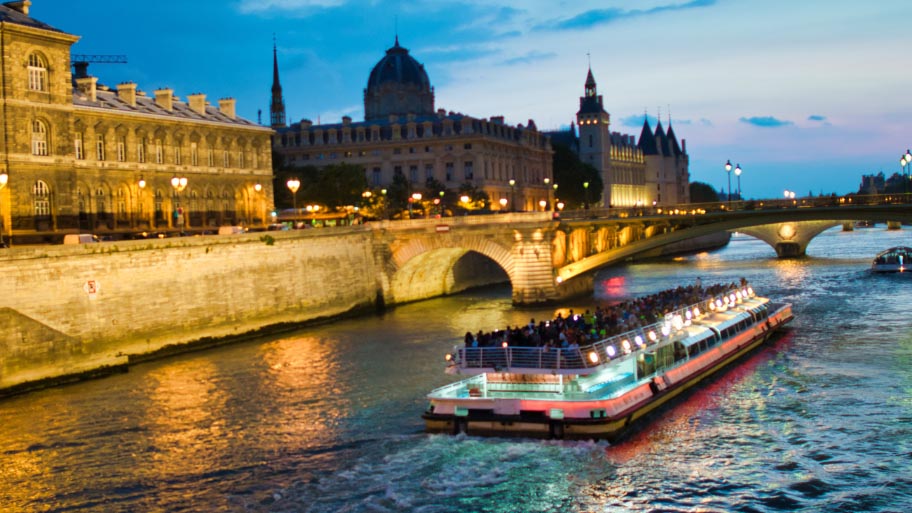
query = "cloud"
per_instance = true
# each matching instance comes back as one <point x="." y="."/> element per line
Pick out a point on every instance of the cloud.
<point x="529" y="58"/>
<point x="816" y="117"/>
<point x="636" y="121"/>
<point x="258" y="6"/>
<point x="765" y="121"/>
<point x="595" y="17"/>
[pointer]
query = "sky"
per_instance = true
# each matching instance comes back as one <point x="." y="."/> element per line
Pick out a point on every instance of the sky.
<point x="806" y="96"/>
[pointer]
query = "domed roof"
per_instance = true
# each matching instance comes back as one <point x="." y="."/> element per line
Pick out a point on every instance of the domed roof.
<point x="399" y="67"/>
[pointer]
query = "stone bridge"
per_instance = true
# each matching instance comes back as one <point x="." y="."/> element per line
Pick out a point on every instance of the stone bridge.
<point x="547" y="259"/>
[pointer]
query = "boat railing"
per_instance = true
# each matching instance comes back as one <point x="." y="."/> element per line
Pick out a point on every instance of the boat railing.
<point x="508" y="358"/>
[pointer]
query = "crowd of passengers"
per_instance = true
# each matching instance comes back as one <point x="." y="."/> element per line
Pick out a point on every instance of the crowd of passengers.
<point x="578" y="330"/>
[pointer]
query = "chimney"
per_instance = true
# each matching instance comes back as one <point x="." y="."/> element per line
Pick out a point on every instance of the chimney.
<point x="127" y="92"/>
<point x="87" y="86"/>
<point x="197" y="103"/>
<point x="165" y="98"/>
<point x="21" y="6"/>
<point x="346" y="120"/>
<point x="226" y="106"/>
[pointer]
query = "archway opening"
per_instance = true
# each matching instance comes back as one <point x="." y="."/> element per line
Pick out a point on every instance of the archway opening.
<point x="444" y="271"/>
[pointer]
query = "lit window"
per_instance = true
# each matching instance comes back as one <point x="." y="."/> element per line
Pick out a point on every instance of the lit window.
<point x="121" y="149"/>
<point x="211" y="158"/>
<point x="39" y="138"/>
<point x="77" y="144"/>
<point x="141" y="151"/>
<point x="159" y="152"/>
<point x="99" y="147"/>
<point x="37" y="73"/>
<point x="42" y="194"/>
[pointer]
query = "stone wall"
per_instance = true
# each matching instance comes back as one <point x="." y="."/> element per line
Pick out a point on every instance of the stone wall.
<point x="68" y="310"/>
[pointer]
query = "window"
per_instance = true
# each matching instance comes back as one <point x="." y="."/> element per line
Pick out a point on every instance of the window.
<point x="397" y="151"/>
<point x="428" y="172"/>
<point x="177" y="155"/>
<point x="376" y="176"/>
<point x="194" y="154"/>
<point x="225" y="160"/>
<point x="99" y="147"/>
<point x="39" y="138"/>
<point x="469" y="170"/>
<point x="159" y="152"/>
<point x="42" y="194"/>
<point x="241" y="158"/>
<point x="467" y="146"/>
<point x="256" y="160"/>
<point x="590" y="140"/>
<point x="121" y="149"/>
<point x="211" y="158"/>
<point x="449" y="171"/>
<point x="141" y="151"/>
<point x="37" y="73"/>
<point x="77" y="143"/>
<point x="413" y="174"/>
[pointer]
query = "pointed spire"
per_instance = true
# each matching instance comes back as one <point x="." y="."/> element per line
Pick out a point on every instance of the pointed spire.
<point x="590" y="84"/>
<point x="647" y="139"/>
<point x="277" y="106"/>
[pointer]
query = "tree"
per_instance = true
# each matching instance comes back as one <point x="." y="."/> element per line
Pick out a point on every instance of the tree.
<point x="702" y="193"/>
<point x="570" y="173"/>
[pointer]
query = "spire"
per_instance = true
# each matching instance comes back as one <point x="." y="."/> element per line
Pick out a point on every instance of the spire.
<point x="590" y="85"/>
<point x="277" y="107"/>
<point x="647" y="139"/>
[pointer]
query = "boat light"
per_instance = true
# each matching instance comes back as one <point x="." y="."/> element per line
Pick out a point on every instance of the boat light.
<point x="593" y="357"/>
<point x="449" y="357"/>
<point x="718" y="303"/>
<point x="677" y="322"/>
<point x="696" y="311"/>
<point x="639" y="340"/>
<point x="665" y="330"/>
<point x="738" y="295"/>
<point x="744" y="293"/>
<point x="504" y="344"/>
<point x="688" y="315"/>
<point x="652" y="336"/>
<point x="610" y="351"/>
<point x="750" y="291"/>
<point x="711" y="305"/>
<point x="626" y="344"/>
<point x="731" y="298"/>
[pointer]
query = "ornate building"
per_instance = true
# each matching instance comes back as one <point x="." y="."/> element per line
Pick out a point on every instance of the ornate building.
<point x="82" y="157"/>
<point x="653" y="171"/>
<point x="402" y="134"/>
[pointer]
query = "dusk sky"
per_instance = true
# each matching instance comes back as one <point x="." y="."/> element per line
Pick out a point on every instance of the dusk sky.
<point x="805" y="95"/>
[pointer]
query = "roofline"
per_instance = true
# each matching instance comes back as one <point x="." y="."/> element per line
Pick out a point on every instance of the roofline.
<point x="252" y="126"/>
<point x="38" y="31"/>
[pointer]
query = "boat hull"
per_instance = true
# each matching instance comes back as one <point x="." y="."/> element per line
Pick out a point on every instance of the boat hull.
<point x="612" y="426"/>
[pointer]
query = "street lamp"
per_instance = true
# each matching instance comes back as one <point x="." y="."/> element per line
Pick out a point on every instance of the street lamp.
<point x="293" y="185"/>
<point x="142" y="185"/>
<point x="503" y="203"/>
<point x="512" y="194"/>
<point x="738" y="174"/>
<point x="4" y="179"/>
<point x="907" y="159"/>
<point x="415" y="198"/>
<point x="441" y="194"/>
<point x="586" y="189"/>
<point x="728" y="169"/>
<point x="554" y="190"/>
<point x="543" y="204"/>
<point x="179" y="183"/>
<point x="257" y="188"/>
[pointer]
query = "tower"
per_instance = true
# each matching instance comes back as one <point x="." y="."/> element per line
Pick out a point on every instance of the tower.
<point x="594" y="135"/>
<point x="277" y="107"/>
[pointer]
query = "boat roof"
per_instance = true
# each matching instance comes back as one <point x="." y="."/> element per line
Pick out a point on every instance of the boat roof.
<point x="898" y="250"/>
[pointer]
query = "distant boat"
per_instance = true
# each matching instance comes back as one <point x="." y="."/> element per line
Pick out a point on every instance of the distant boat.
<point x="864" y="224"/>
<point x="893" y="260"/>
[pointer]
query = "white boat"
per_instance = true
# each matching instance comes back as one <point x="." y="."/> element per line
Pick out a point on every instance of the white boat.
<point x="893" y="260"/>
<point x="600" y="390"/>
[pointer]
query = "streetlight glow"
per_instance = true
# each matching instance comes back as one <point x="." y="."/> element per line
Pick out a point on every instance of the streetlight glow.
<point x="728" y="168"/>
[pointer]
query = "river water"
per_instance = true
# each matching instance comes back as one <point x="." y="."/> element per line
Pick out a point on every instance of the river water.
<point x="328" y="419"/>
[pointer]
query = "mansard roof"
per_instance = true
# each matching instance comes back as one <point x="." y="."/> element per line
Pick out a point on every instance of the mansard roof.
<point x="10" y="15"/>
<point x="108" y="100"/>
<point x="647" y="140"/>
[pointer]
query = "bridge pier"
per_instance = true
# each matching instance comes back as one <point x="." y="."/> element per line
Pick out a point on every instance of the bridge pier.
<point x="789" y="239"/>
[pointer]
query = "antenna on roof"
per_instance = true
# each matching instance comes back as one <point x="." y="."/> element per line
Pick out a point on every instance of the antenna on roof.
<point x="589" y="58"/>
<point x="81" y="63"/>
<point x="669" y="115"/>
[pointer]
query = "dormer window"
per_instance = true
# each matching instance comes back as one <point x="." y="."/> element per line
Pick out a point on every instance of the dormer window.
<point x="37" y="73"/>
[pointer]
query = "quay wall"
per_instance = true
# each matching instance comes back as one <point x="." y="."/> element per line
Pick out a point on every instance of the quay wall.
<point x="70" y="310"/>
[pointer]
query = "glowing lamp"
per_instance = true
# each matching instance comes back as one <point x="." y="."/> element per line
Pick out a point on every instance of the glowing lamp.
<point x="638" y="340"/>
<point x="610" y="351"/>
<point x="626" y="345"/>
<point x="718" y="303"/>
<point x="652" y="336"/>
<point x="593" y="357"/>
<point x="711" y="305"/>
<point x="731" y="298"/>
<point x="677" y="322"/>
<point x="688" y="315"/>
<point x="665" y="330"/>
<point x="750" y="291"/>
<point x="504" y="344"/>
<point x="696" y="311"/>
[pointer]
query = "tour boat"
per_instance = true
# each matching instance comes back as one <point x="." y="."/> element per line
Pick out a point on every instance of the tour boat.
<point x="599" y="390"/>
<point x="893" y="260"/>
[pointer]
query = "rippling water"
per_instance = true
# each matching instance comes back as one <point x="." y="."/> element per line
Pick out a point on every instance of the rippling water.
<point x="328" y="419"/>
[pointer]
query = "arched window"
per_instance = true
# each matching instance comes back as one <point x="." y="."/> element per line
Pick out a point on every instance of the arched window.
<point x="39" y="138"/>
<point x="37" y="73"/>
<point x="42" y="194"/>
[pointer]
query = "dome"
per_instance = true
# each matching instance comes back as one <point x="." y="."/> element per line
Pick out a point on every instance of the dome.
<point x="398" y="67"/>
<point x="398" y="85"/>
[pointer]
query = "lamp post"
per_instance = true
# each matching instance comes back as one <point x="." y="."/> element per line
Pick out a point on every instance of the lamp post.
<point x="4" y="179"/>
<point x="548" y="187"/>
<point x="907" y="158"/>
<point x="728" y="169"/>
<point x="179" y="183"/>
<point x="142" y="185"/>
<point x="293" y="185"/>
<point x="543" y="204"/>
<point x="738" y="174"/>
<point x="586" y="191"/>
<point x="441" y="194"/>
<point x="552" y="199"/>
<point x="416" y="197"/>
<point x="258" y="208"/>
<point x="512" y="195"/>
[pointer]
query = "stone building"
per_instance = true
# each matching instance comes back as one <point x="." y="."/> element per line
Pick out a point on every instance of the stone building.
<point x="403" y="134"/>
<point x="653" y="171"/>
<point x="83" y="157"/>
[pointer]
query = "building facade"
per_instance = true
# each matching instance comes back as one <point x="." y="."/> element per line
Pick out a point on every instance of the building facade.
<point x="651" y="171"/>
<point x="403" y="134"/>
<point x="83" y="157"/>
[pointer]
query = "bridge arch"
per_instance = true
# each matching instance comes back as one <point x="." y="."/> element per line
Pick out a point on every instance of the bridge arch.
<point x="428" y="267"/>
